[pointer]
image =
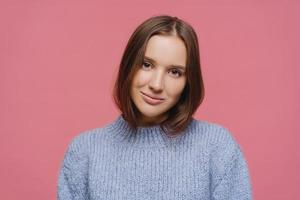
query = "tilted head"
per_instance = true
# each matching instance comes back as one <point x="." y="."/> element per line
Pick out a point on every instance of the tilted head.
<point x="161" y="60"/>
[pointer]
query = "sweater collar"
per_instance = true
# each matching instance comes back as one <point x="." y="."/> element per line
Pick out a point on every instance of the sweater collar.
<point x="144" y="137"/>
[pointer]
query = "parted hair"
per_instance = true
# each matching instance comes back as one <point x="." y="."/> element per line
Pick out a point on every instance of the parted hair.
<point x="180" y="115"/>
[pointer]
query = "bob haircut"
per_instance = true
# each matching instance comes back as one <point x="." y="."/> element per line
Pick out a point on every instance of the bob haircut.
<point x="180" y="115"/>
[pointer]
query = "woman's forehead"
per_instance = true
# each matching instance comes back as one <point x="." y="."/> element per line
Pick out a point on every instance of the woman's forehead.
<point x="166" y="50"/>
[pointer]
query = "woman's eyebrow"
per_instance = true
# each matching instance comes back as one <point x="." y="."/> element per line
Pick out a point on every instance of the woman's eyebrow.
<point x="152" y="60"/>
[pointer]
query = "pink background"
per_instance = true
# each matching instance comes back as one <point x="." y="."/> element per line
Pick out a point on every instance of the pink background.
<point x="58" y="61"/>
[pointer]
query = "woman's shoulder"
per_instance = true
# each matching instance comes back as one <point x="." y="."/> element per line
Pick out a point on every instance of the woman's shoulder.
<point x="218" y="138"/>
<point x="212" y="131"/>
<point x="87" y="138"/>
<point x="222" y="146"/>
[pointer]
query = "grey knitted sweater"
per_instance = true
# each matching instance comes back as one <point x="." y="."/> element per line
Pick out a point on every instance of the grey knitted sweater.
<point x="204" y="162"/>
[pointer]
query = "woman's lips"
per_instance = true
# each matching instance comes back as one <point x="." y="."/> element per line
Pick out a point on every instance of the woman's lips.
<point x="151" y="100"/>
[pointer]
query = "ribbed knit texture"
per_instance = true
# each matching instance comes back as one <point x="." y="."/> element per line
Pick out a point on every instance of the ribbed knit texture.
<point x="204" y="162"/>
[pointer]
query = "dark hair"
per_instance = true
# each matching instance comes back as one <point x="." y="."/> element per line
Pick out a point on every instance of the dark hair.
<point x="192" y="96"/>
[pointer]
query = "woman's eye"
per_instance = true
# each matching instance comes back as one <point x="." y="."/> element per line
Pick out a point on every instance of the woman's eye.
<point x="176" y="72"/>
<point x="146" y="64"/>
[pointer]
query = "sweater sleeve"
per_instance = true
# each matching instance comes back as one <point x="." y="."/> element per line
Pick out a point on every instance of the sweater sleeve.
<point x="72" y="180"/>
<point x="235" y="183"/>
<point x="230" y="175"/>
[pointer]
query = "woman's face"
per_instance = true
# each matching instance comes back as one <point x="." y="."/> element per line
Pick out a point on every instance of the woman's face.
<point x="159" y="82"/>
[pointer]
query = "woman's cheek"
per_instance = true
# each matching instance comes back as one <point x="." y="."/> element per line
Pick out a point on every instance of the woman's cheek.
<point x="175" y="87"/>
<point x="143" y="77"/>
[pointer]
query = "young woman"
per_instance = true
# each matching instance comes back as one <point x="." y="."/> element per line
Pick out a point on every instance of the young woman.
<point x="155" y="149"/>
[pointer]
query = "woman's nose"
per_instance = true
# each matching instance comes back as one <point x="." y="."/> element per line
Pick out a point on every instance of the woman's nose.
<point x="156" y="82"/>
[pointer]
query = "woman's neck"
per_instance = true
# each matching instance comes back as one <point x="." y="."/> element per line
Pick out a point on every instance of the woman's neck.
<point x="147" y="121"/>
